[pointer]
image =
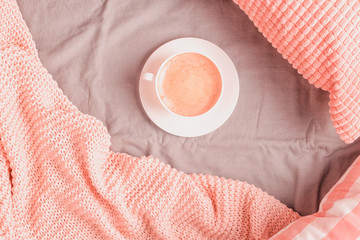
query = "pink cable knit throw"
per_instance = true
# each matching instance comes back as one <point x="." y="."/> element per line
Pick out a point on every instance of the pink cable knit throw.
<point x="58" y="179"/>
<point x="321" y="39"/>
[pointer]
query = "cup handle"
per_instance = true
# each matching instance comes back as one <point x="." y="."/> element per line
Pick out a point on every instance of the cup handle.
<point x="148" y="76"/>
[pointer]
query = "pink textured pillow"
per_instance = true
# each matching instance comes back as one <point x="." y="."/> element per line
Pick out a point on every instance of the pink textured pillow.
<point x="320" y="38"/>
<point x="339" y="214"/>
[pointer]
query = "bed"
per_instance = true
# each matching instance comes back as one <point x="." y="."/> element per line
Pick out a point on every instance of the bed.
<point x="279" y="138"/>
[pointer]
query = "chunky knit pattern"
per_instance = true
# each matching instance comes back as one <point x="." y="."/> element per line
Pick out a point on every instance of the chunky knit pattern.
<point x="59" y="180"/>
<point x="321" y="39"/>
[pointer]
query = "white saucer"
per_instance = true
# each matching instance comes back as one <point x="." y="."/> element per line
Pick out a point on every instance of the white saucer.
<point x="190" y="126"/>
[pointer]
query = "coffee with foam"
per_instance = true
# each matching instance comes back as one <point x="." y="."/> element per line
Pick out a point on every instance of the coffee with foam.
<point x="189" y="84"/>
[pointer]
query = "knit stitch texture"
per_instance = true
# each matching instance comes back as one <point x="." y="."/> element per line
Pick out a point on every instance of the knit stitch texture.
<point x="321" y="39"/>
<point x="59" y="180"/>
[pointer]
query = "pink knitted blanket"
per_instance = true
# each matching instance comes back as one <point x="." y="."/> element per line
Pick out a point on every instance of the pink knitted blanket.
<point x="321" y="39"/>
<point x="59" y="180"/>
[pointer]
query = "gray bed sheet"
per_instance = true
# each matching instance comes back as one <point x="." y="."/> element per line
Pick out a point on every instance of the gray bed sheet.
<point x="279" y="138"/>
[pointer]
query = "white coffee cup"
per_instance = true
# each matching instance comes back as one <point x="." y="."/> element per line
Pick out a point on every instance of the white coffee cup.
<point x="187" y="84"/>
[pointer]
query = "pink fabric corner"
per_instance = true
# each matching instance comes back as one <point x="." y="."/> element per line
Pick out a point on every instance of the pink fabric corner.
<point x="338" y="216"/>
